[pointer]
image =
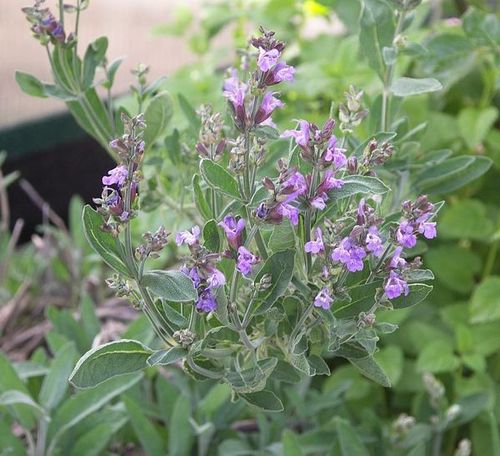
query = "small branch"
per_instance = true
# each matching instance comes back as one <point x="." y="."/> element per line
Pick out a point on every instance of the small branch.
<point x="47" y="212"/>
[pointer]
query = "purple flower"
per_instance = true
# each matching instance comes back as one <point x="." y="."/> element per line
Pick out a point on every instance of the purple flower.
<point x="288" y="211"/>
<point x="334" y="154"/>
<point x="267" y="59"/>
<point x="373" y="241"/>
<point x="246" y="260"/>
<point x="293" y="187"/>
<point x="116" y="176"/>
<point x="232" y="83"/>
<point x="319" y="202"/>
<point x="395" y="286"/>
<point x="233" y="230"/>
<point x="329" y="183"/>
<point x="261" y="211"/>
<point x="206" y="301"/>
<point x="215" y="278"/>
<point x="188" y="237"/>
<point x="268" y="105"/>
<point x="193" y="275"/>
<point x="396" y="261"/>
<point x="281" y="72"/>
<point x="428" y="229"/>
<point x="405" y="235"/>
<point x="316" y="246"/>
<point x="235" y="92"/>
<point x="349" y="254"/>
<point x="323" y="299"/>
<point x="301" y="136"/>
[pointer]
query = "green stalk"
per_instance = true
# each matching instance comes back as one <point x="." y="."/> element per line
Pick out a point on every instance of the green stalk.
<point x="389" y="75"/>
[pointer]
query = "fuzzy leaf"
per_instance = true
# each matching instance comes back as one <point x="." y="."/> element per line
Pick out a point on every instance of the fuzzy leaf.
<point x="102" y="242"/>
<point x="219" y="179"/>
<point x="265" y="400"/>
<point x="406" y="87"/>
<point x="173" y="286"/>
<point x="109" y="360"/>
<point x="166" y="357"/>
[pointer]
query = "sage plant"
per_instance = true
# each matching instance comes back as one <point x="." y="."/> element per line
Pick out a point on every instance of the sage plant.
<point x="289" y="269"/>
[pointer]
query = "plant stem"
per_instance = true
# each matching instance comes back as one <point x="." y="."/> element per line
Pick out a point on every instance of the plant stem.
<point x="490" y="260"/>
<point x="300" y="323"/>
<point x="385" y="114"/>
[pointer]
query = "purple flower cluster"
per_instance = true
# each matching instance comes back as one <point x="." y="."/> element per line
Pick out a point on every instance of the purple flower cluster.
<point x="416" y="221"/>
<point x="45" y="26"/>
<point x="234" y="230"/>
<point x="270" y="71"/>
<point x="349" y="254"/>
<point x="395" y="285"/>
<point x="246" y="261"/>
<point x="323" y="299"/>
<point x="205" y="276"/>
<point x="112" y="198"/>
<point x="189" y="238"/>
<point x="319" y="147"/>
<point x="363" y="240"/>
<point x="316" y="245"/>
<point x="292" y="186"/>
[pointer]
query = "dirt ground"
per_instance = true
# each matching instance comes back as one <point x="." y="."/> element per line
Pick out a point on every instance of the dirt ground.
<point x="127" y="23"/>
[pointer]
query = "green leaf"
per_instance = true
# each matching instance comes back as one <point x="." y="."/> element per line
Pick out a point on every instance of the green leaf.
<point x="151" y="440"/>
<point x="30" y="85"/>
<point x="376" y="32"/>
<point x="349" y="440"/>
<point x="451" y="174"/>
<point x="475" y="123"/>
<point x="253" y="378"/>
<point x="211" y="237"/>
<point x="454" y="266"/>
<point x="14" y="397"/>
<point x="219" y="179"/>
<point x="102" y="242"/>
<point x="282" y="237"/>
<point x="190" y="114"/>
<point x="173" y="316"/>
<point x="291" y="445"/>
<point x="284" y="372"/>
<point x="94" y="56"/>
<point x="265" y="400"/>
<point x="437" y="357"/>
<point x="166" y="357"/>
<point x="217" y="396"/>
<point x="9" y="380"/>
<point x="93" y="442"/>
<point x="200" y="200"/>
<point x="485" y="303"/>
<point x="55" y="384"/>
<point x="370" y="368"/>
<point x="391" y="359"/>
<point x="466" y="219"/>
<point x="109" y="360"/>
<point x="81" y="405"/>
<point x="173" y="286"/>
<point x="180" y="433"/>
<point x="157" y="116"/>
<point x="362" y="298"/>
<point x="355" y="185"/>
<point x="406" y="87"/>
<point x="280" y="267"/>
<point x="483" y="29"/>
<point x="418" y="292"/>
